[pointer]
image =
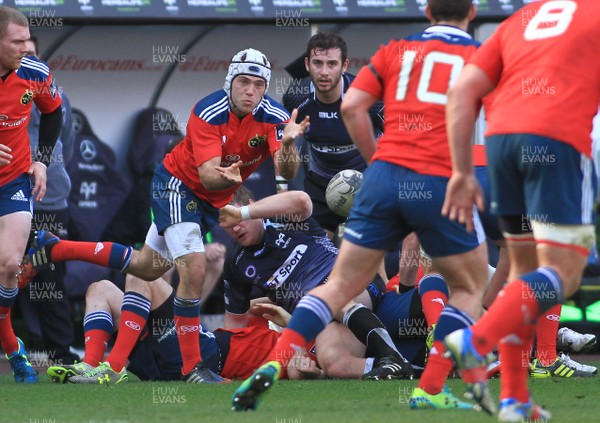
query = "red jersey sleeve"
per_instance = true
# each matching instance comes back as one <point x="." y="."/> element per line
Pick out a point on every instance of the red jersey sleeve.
<point x="369" y="77"/>
<point x="206" y="139"/>
<point x="47" y="97"/>
<point x="489" y="58"/>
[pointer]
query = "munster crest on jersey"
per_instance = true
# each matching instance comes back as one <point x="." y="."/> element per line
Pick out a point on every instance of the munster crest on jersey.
<point x="256" y="141"/>
<point x="26" y="97"/>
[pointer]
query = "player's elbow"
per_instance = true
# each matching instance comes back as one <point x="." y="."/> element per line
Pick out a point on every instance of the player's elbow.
<point x="353" y="106"/>
<point x="208" y="181"/>
<point x="452" y="95"/>
<point x="302" y="203"/>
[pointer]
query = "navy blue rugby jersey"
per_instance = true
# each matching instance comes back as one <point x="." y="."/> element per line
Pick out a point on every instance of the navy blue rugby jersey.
<point x="330" y="146"/>
<point x="293" y="258"/>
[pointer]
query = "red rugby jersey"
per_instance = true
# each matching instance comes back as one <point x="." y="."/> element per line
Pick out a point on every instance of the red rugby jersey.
<point x="32" y="82"/>
<point x="214" y="131"/>
<point x="412" y="76"/>
<point x="248" y="350"/>
<point x="544" y="60"/>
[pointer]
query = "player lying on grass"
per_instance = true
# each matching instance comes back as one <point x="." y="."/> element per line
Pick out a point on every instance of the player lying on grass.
<point x="153" y="352"/>
<point x="282" y="251"/>
<point x="291" y="259"/>
<point x="151" y="347"/>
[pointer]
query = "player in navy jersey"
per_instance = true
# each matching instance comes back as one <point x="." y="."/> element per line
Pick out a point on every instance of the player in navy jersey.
<point x="288" y="258"/>
<point x="319" y="96"/>
<point x="24" y="80"/>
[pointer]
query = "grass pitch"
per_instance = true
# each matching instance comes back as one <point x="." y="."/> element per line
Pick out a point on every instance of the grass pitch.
<point x="330" y="401"/>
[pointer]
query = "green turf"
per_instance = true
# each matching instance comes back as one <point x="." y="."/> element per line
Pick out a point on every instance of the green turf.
<point x="570" y="400"/>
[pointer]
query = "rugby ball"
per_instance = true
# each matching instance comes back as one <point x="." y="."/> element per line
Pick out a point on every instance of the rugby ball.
<point x="341" y="190"/>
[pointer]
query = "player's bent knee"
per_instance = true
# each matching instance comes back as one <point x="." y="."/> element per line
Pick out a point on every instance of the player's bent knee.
<point x="184" y="238"/>
<point x="9" y="268"/>
<point x="99" y="286"/>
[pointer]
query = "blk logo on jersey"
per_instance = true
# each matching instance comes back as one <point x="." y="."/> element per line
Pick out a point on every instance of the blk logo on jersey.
<point x="328" y="115"/>
<point x="26" y="97"/>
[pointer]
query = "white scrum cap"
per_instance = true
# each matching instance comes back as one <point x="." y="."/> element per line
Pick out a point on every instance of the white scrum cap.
<point x="247" y="62"/>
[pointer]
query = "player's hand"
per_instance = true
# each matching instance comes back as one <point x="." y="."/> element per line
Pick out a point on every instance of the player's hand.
<point x="38" y="171"/>
<point x="229" y="216"/>
<point x="5" y="156"/>
<point x="294" y="130"/>
<point x="272" y="313"/>
<point x="231" y="173"/>
<point x="463" y="191"/>
<point x="214" y="251"/>
<point x="301" y="366"/>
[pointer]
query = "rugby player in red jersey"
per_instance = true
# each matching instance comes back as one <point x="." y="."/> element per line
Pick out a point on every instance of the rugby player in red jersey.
<point x="542" y="65"/>
<point x="24" y="80"/>
<point x="229" y="134"/>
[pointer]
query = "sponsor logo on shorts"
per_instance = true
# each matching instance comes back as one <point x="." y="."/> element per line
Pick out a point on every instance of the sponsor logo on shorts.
<point x="353" y="233"/>
<point x="191" y="207"/>
<point x="19" y="196"/>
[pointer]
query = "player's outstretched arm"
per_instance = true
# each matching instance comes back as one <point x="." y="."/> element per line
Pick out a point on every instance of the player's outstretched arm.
<point x="271" y="312"/>
<point x="287" y="158"/>
<point x="216" y="177"/>
<point x="293" y="206"/>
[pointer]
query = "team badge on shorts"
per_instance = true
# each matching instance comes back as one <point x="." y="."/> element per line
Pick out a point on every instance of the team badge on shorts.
<point x="256" y="141"/>
<point x="192" y="207"/>
<point x="26" y="97"/>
